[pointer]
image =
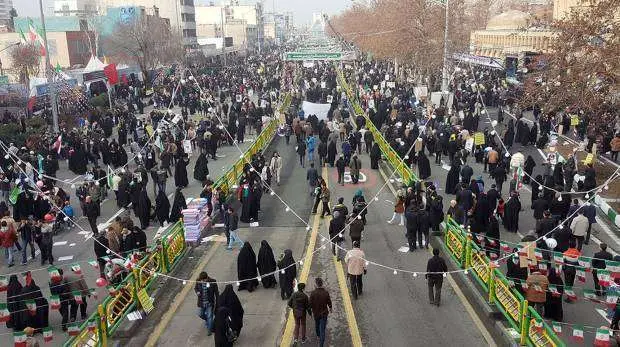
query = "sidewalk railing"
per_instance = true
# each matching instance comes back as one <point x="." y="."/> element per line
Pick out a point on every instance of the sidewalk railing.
<point x="402" y="169"/>
<point x="519" y="315"/>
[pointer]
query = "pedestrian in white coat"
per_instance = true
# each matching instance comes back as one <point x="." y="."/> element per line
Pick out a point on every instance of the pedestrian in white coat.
<point x="275" y="166"/>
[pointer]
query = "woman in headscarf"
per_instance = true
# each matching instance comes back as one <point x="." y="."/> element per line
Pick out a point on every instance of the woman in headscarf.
<point x="178" y="204"/>
<point x="228" y="299"/>
<point x="16" y="305"/>
<point x="288" y="265"/>
<point x="528" y="167"/>
<point x="553" y="305"/>
<point x="40" y="319"/>
<point x="558" y="175"/>
<point x="201" y="169"/>
<point x="453" y="178"/>
<point x="535" y="184"/>
<point x="162" y="207"/>
<point x="493" y="238"/>
<point x="534" y="133"/>
<point x="509" y="135"/>
<point x="221" y="323"/>
<point x="143" y="210"/>
<point x="246" y="268"/>
<point x="331" y="152"/>
<point x="515" y="272"/>
<point x="245" y="196"/>
<point x="180" y="172"/>
<point x="375" y="155"/>
<point x="511" y="214"/>
<point x="266" y="265"/>
<point x="424" y="166"/>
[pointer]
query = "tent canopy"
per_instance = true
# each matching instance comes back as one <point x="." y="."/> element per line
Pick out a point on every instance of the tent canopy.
<point x="94" y="64"/>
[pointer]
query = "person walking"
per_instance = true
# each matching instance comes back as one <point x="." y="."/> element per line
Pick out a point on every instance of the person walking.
<point x="435" y="270"/>
<point x="231" y="222"/>
<point x="275" y="166"/>
<point x="300" y="304"/>
<point x="325" y="196"/>
<point x="79" y="290"/>
<point x="8" y="238"/>
<point x="321" y="305"/>
<point x="288" y="273"/>
<point x="207" y="292"/>
<point x="301" y="151"/>
<point x="536" y="293"/>
<point x="312" y="176"/>
<point x="340" y="166"/>
<point x="356" y="268"/>
<point x="599" y="263"/>
<point x="91" y="213"/>
<point x="355" y="166"/>
<point x="27" y="236"/>
<point x="579" y="226"/>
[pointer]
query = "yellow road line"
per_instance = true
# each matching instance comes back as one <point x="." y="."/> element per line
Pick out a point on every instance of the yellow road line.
<point x="287" y="337"/>
<point x="179" y="298"/>
<point x="472" y="313"/>
<point x="356" y="339"/>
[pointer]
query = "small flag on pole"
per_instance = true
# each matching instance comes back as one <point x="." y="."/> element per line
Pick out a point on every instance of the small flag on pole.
<point x="73" y="329"/>
<point x="54" y="302"/>
<point x="93" y="263"/>
<point x="581" y="275"/>
<point x="19" y="338"/>
<point x="77" y="269"/>
<point x="570" y="293"/>
<point x="602" y="337"/>
<point x="92" y="325"/>
<point x="5" y="315"/>
<point x="4" y="283"/>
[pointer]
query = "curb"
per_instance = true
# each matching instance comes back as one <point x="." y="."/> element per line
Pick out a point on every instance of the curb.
<point x="611" y="214"/>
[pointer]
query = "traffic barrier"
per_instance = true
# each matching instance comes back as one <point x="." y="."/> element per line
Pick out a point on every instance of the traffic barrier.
<point x="519" y="315"/>
<point x="397" y="163"/>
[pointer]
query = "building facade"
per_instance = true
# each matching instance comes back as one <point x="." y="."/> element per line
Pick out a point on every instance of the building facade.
<point x="244" y="23"/>
<point x="79" y="8"/>
<point x="5" y="12"/>
<point x="181" y="13"/>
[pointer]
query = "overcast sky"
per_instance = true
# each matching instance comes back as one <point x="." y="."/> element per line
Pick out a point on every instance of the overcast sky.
<point x="302" y="9"/>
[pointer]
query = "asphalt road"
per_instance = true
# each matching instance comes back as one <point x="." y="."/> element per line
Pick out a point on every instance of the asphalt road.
<point x="75" y="245"/>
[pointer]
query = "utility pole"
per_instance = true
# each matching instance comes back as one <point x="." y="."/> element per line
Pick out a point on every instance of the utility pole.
<point x="49" y="72"/>
<point x="444" y="72"/>
<point x="223" y="35"/>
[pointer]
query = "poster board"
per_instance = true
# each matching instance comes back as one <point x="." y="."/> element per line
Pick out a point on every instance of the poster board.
<point x="320" y="110"/>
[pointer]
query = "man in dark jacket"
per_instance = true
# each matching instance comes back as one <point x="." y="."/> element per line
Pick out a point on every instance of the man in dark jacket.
<point x="411" y="216"/>
<point x="321" y="304"/>
<point x="101" y="250"/>
<point x="424" y="225"/>
<point x="466" y="173"/>
<point x="545" y="225"/>
<point x="539" y="206"/>
<point x="589" y="211"/>
<point x="355" y="229"/>
<point x="336" y="230"/>
<point x="598" y="263"/>
<point x="435" y="268"/>
<point x="207" y="292"/>
<point x="92" y="212"/>
<point x="493" y="196"/>
<point x="340" y="166"/>
<point x="300" y="304"/>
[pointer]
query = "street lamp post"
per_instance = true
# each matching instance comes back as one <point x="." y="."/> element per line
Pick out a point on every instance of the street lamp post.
<point x="49" y="73"/>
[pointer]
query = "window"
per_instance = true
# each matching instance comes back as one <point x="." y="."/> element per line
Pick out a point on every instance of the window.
<point x="188" y="17"/>
<point x="189" y="32"/>
<point x="65" y="10"/>
<point x="187" y="2"/>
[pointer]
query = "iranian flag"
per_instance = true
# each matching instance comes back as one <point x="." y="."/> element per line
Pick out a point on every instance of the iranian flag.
<point x="93" y="293"/>
<point x="112" y="291"/>
<point x="504" y="246"/>
<point x="537" y="324"/>
<point x="92" y="325"/>
<point x="602" y="337"/>
<point x="77" y="296"/>
<point x="614" y="268"/>
<point x="554" y="291"/>
<point x="5" y="315"/>
<point x="77" y="269"/>
<point x="578" y="333"/>
<point x="4" y="283"/>
<point x="93" y="263"/>
<point x="73" y="329"/>
<point x="581" y="275"/>
<point x="31" y="305"/>
<point x="542" y="267"/>
<point x="48" y="334"/>
<point x="36" y="37"/>
<point x="54" y="302"/>
<point x="557" y="328"/>
<point x="612" y="299"/>
<point x="54" y="274"/>
<point x="538" y="254"/>
<point x="604" y="277"/>
<point x="20" y="339"/>
<point x="584" y="262"/>
<point x="58" y="144"/>
<point x="491" y="242"/>
<point x="570" y="293"/>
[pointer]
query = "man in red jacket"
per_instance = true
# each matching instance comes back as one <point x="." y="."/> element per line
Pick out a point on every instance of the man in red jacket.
<point x="8" y="237"/>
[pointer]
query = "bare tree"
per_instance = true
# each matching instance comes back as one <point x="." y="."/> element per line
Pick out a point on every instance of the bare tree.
<point x="25" y="59"/>
<point x="149" y="42"/>
<point x="582" y="72"/>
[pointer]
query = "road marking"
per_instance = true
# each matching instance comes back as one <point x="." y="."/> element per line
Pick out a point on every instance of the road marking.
<point x="356" y="338"/>
<point x="72" y="245"/>
<point x="472" y="313"/>
<point x="179" y="298"/>
<point x="604" y="314"/>
<point x="68" y="257"/>
<point x="287" y="336"/>
<point x="60" y="243"/>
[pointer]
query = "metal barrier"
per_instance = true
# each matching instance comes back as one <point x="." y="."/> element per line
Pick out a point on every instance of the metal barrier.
<point x="91" y="338"/>
<point x="520" y="316"/>
<point x="174" y="245"/>
<point x="116" y="307"/>
<point x="149" y="267"/>
<point x="402" y="169"/>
